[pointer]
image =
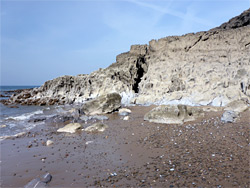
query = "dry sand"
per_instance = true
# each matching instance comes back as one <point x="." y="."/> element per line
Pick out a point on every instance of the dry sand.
<point x="133" y="153"/>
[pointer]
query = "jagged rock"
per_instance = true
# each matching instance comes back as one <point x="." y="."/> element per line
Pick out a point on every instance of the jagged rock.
<point x="173" y="114"/>
<point x="97" y="127"/>
<point x="204" y="68"/>
<point x="70" y="128"/>
<point x="236" y="22"/>
<point x="39" y="182"/>
<point x="229" y="116"/>
<point x="124" y="111"/>
<point x="237" y="106"/>
<point x="103" y="104"/>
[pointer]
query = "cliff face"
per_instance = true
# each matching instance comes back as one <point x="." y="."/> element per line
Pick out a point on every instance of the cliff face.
<point x="210" y="67"/>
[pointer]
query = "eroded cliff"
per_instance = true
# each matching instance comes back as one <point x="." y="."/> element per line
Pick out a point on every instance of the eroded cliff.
<point x="205" y="68"/>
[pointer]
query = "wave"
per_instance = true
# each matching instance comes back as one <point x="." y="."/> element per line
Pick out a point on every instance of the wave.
<point x="25" y="116"/>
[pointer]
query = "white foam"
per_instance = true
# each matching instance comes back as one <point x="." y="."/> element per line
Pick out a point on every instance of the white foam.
<point x="26" y="115"/>
<point x="127" y="97"/>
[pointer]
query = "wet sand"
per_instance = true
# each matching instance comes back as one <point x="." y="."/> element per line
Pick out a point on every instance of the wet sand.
<point x="133" y="153"/>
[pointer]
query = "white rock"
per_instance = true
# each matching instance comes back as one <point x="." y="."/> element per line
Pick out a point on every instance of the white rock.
<point x="97" y="127"/>
<point x="126" y="118"/>
<point x="124" y="111"/>
<point x="49" y="142"/>
<point x="70" y="128"/>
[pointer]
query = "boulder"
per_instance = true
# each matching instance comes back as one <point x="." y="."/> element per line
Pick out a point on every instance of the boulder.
<point x="70" y="128"/>
<point x="97" y="127"/>
<point x="237" y="106"/>
<point x="102" y="105"/>
<point x="229" y="116"/>
<point x="173" y="114"/>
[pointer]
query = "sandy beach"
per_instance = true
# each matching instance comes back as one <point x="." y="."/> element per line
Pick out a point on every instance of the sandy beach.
<point x="133" y="153"/>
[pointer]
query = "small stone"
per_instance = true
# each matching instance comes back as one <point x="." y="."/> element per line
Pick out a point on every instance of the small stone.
<point x="89" y="142"/>
<point x="126" y="118"/>
<point x="124" y="112"/>
<point x="49" y="142"/>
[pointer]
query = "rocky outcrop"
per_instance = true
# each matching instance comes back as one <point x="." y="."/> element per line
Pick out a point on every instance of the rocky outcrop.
<point x="173" y="114"/>
<point x="102" y="105"/>
<point x="239" y="21"/>
<point x="205" y="68"/>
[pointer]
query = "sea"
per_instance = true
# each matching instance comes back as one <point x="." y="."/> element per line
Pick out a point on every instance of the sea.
<point x="16" y="119"/>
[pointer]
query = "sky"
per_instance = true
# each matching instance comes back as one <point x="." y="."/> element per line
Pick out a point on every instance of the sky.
<point x="45" y="39"/>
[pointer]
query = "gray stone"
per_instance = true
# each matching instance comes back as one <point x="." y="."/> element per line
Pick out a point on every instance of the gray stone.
<point x="173" y="114"/>
<point x="97" y="127"/>
<point x="103" y="104"/>
<point x="229" y="116"/>
<point x="39" y="182"/>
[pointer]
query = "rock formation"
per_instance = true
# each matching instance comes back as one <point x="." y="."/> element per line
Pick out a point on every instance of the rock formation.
<point x="102" y="105"/>
<point x="173" y="114"/>
<point x="204" y="68"/>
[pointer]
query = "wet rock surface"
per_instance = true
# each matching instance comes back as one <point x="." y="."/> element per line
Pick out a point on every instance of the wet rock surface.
<point x="134" y="153"/>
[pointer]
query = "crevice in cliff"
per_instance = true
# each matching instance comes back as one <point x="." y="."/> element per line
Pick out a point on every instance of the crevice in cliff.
<point x="189" y="47"/>
<point x="141" y="70"/>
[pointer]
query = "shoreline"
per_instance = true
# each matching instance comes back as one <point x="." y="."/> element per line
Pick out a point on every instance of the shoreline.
<point x="136" y="153"/>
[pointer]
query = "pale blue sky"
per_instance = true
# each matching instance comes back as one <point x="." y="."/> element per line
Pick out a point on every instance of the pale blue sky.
<point x="41" y="40"/>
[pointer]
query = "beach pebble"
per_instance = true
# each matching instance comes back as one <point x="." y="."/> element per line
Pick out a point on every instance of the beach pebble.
<point x="3" y="126"/>
<point x="126" y="118"/>
<point x="49" y="142"/>
<point x="89" y="142"/>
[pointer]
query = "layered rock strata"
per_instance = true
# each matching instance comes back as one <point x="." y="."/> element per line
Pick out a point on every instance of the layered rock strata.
<point x="205" y="68"/>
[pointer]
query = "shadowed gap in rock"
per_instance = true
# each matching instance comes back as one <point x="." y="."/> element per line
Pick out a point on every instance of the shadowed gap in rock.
<point x="140" y="72"/>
